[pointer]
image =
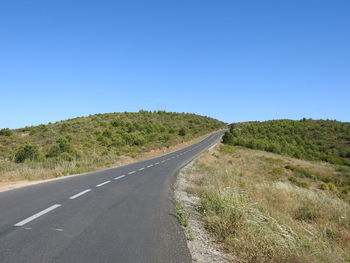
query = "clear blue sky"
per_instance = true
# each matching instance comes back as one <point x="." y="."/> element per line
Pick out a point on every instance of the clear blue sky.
<point x="232" y="60"/>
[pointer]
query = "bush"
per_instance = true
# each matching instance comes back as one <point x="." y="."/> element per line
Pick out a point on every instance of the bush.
<point x="182" y="131"/>
<point x="297" y="182"/>
<point x="6" y="132"/>
<point x="323" y="186"/>
<point x="107" y="133"/>
<point x="332" y="187"/>
<point x="301" y="171"/>
<point x="306" y="213"/>
<point x="66" y="156"/>
<point x="328" y="186"/>
<point x="26" y="151"/>
<point x="181" y="214"/>
<point x="62" y="146"/>
<point x="54" y="151"/>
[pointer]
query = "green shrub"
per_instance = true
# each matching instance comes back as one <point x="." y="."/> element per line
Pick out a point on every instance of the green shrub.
<point x="332" y="187"/>
<point x="323" y="186"/>
<point x="307" y="213"/>
<point x="6" y="132"/>
<point x="54" y="151"/>
<point x="301" y="171"/>
<point x="181" y="214"/>
<point x="26" y="151"/>
<point x="297" y="182"/>
<point x="64" y="144"/>
<point x="117" y="140"/>
<point x="182" y="131"/>
<point x="107" y="133"/>
<point x="103" y="140"/>
<point x="66" y="156"/>
<point x="277" y="171"/>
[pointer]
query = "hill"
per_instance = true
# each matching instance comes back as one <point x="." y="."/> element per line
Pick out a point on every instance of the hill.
<point x="324" y="140"/>
<point x="79" y="144"/>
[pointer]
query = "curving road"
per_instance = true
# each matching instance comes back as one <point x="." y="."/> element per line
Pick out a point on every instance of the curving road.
<point x="122" y="214"/>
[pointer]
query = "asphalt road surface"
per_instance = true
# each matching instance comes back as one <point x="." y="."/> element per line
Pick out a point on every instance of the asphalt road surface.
<point x="123" y="214"/>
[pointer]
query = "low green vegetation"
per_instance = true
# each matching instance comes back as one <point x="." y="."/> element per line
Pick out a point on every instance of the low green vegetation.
<point x="181" y="214"/>
<point x="264" y="207"/>
<point x="324" y="140"/>
<point x="84" y="143"/>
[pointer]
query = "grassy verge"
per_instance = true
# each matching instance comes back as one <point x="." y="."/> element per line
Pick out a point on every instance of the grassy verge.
<point x="258" y="213"/>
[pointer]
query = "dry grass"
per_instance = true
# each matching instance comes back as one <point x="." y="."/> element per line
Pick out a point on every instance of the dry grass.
<point x="258" y="214"/>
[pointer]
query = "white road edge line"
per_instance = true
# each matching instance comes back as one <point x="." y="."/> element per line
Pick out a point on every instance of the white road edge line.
<point x="119" y="177"/>
<point x="103" y="183"/>
<point x="132" y="172"/>
<point x="79" y="194"/>
<point x="31" y="218"/>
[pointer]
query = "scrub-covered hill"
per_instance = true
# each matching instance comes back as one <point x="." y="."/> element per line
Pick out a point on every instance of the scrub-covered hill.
<point x="324" y="140"/>
<point x="95" y="141"/>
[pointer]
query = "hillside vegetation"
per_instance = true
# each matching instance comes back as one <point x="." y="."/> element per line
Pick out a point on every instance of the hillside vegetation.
<point x="265" y="207"/>
<point x="324" y="140"/>
<point x="82" y="143"/>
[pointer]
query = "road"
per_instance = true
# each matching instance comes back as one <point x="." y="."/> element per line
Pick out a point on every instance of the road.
<point x="123" y="214"/>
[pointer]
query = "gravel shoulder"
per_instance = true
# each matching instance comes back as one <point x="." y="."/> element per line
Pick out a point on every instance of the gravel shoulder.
<point x="202" y="247"/>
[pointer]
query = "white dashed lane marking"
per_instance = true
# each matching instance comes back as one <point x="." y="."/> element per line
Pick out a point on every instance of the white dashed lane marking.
<point x="132" y="172"/>
<point x="31" y="218"/>
<point x="80" y="194"/>
<point x="119" y="177"/>
<point x="99" y="185"/>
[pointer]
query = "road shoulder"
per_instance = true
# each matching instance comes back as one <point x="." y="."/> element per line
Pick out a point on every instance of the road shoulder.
<point x="201" y="245"/>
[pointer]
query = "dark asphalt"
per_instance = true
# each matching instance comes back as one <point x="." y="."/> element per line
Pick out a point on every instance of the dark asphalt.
<point x="130" y="219"/>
